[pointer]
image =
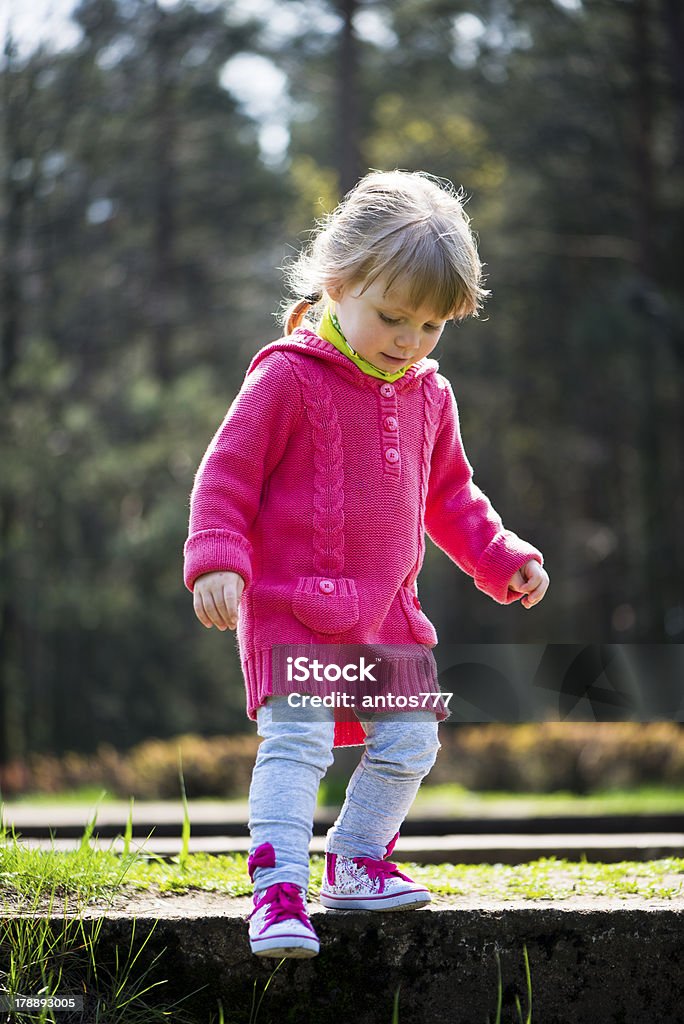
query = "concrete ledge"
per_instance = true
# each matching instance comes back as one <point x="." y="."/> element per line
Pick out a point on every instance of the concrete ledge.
<point x="221" y="828"/>
<point x="230" y="819"/>
<point x="592" y="961"/>
<point x="455" y="849"/>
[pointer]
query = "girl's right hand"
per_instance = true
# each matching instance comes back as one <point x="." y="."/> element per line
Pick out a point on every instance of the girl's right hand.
<point x="216" y="597"/>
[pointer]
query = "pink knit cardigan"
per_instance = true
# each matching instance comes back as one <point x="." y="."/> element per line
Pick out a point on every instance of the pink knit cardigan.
<point x="318" y="488"/>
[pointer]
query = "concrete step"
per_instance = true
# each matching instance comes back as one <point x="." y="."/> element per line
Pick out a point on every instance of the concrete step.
<point x="230" y="819"/>
<point x="591" y="960"/>
<point x="220" y="827"/>
<point x="456" y="848"/>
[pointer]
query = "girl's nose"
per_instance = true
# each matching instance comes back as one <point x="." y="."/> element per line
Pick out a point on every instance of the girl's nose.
<point x="408" y="340"/>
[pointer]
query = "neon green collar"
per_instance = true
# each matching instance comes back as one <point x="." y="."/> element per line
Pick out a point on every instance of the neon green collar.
<point x="329" y="329"/>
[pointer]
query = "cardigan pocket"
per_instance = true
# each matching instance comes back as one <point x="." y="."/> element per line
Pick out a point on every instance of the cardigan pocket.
<point x="326" y="605"/>
<point x="422" y="629"/>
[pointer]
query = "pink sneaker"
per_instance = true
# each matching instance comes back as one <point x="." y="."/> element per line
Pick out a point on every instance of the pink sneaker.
<point x="279" y="924"/>
<point x="361" y="883"/>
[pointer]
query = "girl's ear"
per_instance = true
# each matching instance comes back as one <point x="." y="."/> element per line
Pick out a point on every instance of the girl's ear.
<point x="335" y="292"/>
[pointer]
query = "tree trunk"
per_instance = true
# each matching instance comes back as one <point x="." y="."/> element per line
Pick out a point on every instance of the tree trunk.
<point x="349" y="161"/>
<point x="163" y="272"/>
<point x="16" y="88"/>
<point x="655" y="568"/>
<point x="673" y="20"/>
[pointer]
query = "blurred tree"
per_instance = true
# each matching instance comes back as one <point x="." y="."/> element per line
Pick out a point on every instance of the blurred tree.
<point x="138" y="227"/>
<point x="141" y="231"/>
<point x="18" y="187"/>
<point x="559" y="124"/>
<point x="348" y="161"/>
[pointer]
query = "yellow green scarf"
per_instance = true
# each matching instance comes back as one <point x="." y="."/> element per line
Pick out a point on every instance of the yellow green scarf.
<point x="329" y="329"/>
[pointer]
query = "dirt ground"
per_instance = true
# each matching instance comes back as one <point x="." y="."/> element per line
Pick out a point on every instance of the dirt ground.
<point x="197" y="903"/>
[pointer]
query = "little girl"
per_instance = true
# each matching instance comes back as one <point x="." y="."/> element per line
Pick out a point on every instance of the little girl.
<point x="309" y="512"/>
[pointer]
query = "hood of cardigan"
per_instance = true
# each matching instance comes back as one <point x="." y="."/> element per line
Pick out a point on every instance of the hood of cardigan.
<point x="307" y="343"/>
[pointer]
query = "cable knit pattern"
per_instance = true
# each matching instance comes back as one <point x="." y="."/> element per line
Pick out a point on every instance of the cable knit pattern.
<point x="318" y="489"/>
<point x="433" y="405"/>
<point x="328" y="481"/>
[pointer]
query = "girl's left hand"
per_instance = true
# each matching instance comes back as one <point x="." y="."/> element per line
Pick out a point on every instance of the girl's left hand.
<point x="532" y="580"/>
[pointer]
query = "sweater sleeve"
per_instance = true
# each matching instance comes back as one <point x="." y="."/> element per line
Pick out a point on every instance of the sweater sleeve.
<point x="460" y="519"/>
<point x="228" y="484"/>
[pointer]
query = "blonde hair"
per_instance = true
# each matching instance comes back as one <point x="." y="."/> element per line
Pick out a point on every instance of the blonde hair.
<point x="409" y="226"/>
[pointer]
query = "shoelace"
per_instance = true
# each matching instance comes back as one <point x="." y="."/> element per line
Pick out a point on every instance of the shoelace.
<point x="285" y="900"/>
<point x="380" y="869"/>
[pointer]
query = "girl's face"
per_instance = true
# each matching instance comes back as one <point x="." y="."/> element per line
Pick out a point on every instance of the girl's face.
<point x="382" y="327"/>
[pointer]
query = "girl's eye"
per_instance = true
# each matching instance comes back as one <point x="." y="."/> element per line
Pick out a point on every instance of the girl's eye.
<point x="393" y="321"/>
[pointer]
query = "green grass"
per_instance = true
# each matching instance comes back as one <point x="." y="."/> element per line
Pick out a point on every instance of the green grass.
<point x="456" y="801"/>
<point x="87" y="795"/>
<point x="37" y="959"/>
<point x="547" y="878"/>
<point x="84" y="795"/>
<point x="552" y="878"/>
<point x="92" y="875"/>
<point x="89" y="873"/>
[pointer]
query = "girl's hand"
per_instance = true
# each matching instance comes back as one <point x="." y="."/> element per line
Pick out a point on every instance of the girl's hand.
<point x="532" y="580"/>
<point x="216" y="597"/>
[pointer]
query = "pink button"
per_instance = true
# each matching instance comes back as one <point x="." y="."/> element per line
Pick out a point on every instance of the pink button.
<point x="392" y="455"/>
<point x="327" y="586"/>
<point x="390" y="423"/>
<point x="387" y="390"/>
<point x="416" y="603"/>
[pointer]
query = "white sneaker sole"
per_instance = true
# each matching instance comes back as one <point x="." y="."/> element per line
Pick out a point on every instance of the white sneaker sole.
<point x="278" y="946"/>
<point x="411" y="900"/>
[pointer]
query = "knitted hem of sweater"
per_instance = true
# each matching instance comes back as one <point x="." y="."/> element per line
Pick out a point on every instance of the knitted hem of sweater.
<point x="407" y="682"/>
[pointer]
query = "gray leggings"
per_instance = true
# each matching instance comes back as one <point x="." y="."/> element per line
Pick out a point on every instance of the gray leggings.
<point x="400" y="749"/>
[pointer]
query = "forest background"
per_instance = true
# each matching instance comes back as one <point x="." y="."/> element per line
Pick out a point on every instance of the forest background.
<point x="156" y="173"/>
